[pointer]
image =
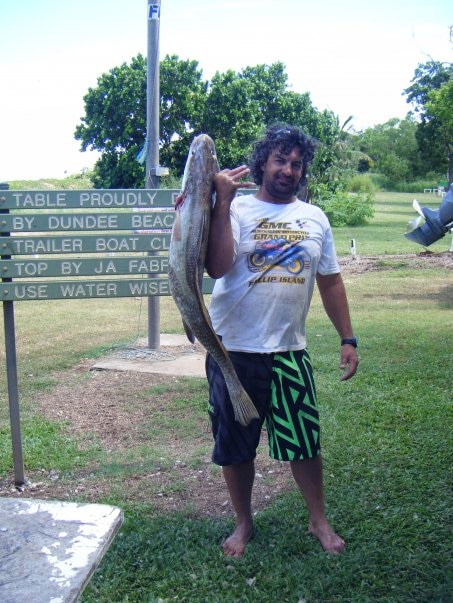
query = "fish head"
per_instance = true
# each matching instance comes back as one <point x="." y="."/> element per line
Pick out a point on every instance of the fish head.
<point x="201" y="165"/>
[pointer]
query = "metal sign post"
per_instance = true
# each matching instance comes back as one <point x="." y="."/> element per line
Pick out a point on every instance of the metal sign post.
<point x="11" y="369"/>
<point x="13" y="392"/>
<point x="11" y="365"/>
<point x="152" y="159"/>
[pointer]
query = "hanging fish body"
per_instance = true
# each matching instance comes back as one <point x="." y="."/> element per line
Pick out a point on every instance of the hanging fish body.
<point x="187" y="255"/>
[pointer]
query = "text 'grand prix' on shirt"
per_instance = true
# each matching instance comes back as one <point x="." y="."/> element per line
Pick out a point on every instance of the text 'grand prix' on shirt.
<point x="261" y="304"/>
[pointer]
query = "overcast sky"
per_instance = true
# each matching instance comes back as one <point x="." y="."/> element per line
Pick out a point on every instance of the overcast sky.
<point x="353" y="57"/>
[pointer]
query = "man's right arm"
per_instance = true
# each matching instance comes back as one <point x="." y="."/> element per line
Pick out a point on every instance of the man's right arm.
<point x="220" y="252"/>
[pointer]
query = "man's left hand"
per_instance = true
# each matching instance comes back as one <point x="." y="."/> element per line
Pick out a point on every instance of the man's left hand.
<point x="349" y="361"/>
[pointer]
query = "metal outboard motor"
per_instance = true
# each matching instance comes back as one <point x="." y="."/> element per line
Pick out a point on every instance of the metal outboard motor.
<point x="437" y="221"/>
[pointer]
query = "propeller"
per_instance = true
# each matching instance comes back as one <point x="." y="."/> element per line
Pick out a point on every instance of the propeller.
<point x="415" y="223"/>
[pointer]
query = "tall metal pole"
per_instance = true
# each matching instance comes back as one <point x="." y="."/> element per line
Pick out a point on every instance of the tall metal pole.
<point x="11" y="371"/>
<point x="13" y="392"/>
<point x="152" y="160"/>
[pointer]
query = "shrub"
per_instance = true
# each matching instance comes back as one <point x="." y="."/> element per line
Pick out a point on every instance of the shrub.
<point x="378" y="180"/>
<point x="361" y="183"/>
<point x="345" y="209"/>
<point x="415" y="187"/>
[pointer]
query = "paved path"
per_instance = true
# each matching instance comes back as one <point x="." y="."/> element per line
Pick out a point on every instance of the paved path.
<point x="50" y="549"/>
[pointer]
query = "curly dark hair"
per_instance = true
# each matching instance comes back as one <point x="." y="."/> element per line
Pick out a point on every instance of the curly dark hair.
<point x="284" y="138"/>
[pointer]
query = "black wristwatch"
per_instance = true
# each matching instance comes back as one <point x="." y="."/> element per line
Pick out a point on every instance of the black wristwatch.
<point x="349" y="341"/>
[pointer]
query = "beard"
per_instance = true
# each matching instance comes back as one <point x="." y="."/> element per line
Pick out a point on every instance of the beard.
<point x="281" y="188"/>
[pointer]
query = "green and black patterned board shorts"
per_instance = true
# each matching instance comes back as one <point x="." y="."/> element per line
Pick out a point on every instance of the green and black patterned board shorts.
<point x="282" y="388"/>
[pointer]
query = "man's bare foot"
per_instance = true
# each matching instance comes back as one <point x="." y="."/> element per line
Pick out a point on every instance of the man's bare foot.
<point x="234" y="545"/>
<point x="330" y="542"/>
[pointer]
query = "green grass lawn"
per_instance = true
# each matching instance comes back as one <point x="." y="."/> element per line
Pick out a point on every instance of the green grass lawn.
<point x="386" y="444"/>
<point x="387" y="450"/>
<point x="385" y="234"/>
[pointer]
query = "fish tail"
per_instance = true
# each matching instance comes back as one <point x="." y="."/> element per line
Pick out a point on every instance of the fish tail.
<point x="244" y="409"/>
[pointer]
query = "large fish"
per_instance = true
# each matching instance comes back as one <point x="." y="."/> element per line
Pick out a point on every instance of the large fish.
<point x="187" y="255"/>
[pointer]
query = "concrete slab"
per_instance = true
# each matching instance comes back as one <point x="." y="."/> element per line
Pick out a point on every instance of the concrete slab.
<point x="171" y="340"/>
<point x="176" y="356"/>
<point x="192" y="366"/>
<point x="50" y="549"/>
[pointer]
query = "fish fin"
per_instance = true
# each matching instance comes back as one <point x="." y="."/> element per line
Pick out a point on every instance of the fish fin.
<point x="190" y="335"/>
<point x="176" y="230"/>
<point x="244" y="409"/>
<point x="180" y="199"/>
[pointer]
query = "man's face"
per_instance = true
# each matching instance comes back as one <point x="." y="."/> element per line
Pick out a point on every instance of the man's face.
<point x="282" y="174"/>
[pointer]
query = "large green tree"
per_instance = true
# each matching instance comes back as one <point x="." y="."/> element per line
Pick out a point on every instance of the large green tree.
<point x="393" y="148"/>
<point x="435" y="149"/>
<point x="115" y="118"/>
<point x="232" y="116"/>
<point x="240" y="105"/>
<point x="439" y="110"/>
<point x="427" y="77"/>
<point x="114" y="123"/>
<point x="182" y="105"/>
<point x="233" y="108"/>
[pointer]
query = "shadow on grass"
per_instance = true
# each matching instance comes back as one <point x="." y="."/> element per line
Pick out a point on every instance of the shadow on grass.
<point x="445" y="297"/>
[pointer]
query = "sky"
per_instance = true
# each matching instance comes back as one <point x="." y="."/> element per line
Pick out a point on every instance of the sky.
<point x="352" y="57"/>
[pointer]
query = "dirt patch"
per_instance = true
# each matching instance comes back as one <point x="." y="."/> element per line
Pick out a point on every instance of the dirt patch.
<point x="424" y="259"/>
<point x="109" y="407"/>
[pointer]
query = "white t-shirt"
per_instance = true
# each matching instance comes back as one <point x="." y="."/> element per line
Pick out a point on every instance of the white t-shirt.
<point x="261" y="304"/>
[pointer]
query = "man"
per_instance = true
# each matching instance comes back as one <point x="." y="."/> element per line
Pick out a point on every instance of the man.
<point x="267" y="250"/>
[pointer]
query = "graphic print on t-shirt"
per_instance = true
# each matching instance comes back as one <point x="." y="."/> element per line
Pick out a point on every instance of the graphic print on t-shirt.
<point x="278" y="248"/>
